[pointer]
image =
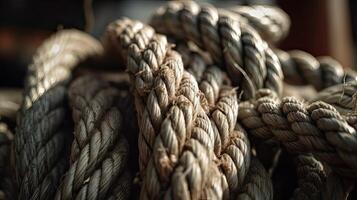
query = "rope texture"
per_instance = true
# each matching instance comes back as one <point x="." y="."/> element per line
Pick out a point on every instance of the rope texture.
<point x="271" y="22"/>
<point x="250" y="62"/>
<point x="42" y="125"/>
<point x="7" y="189"/>
<point x="258" y="184"/>
<point x="301" y="68"/>
<point x="317" y="128"/>
<point x="99" y="151"/>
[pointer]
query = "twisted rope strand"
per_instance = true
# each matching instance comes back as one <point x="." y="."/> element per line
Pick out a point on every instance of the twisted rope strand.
<point x="317" y="128"/>
<point x="311" y="178"/>
<point x="271" y="22"/>
<point x="157" y="73"/>
<point x="237" y="47"/>
<point x="41" y="124"/>
<point x="302" y="68"/>
<point x="258" y="184"/>
<point x="7" y="187"/>
<point x="99" y="150"/>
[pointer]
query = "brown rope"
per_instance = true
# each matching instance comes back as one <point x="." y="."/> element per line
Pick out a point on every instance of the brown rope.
<point x="311" y="178"/>
<point x="99" y="151"/>
<point x="271" y="22"/>
<point x="342" y="96"/>
<point x="230" y="44"/>
<point x="258" y="184"/>
<point x="42" y="126"/>
<point x="317" y="128"/>
<point x="301" y="68"/>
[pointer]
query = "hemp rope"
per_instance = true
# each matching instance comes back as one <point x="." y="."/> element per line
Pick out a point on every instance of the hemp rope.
<point x="231" y="44"/>
<point x="231" y="144"/>
<point x="271" y="22"/>
<point x="257" y="184"/>
<point x="187" y="103"/>
<point x="342" y="96"/>
<point x="99" y="150"/>
<point x="301" y="68"/>
<point x="42" y="128"/>
<point x="7" y="189"/>
<point x="147" y="55"/>
<point x="311" y="178"/>
<point x="317" y="128"/>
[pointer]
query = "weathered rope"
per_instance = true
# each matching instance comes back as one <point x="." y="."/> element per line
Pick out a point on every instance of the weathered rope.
<point x="271" y="22"/>
<point x="236" y="46"/>
<point x="42" y="128"/>
<point x="311" y="178"/>
<point x="7" y="189"/>
<point x="342" y="96"/>
<point x="231" y="145"/>
<point x="257" y="184"/>
<point x="147" y="55"/>
<point x="301" y="68"/>
<point x="317" y="128"/>
<point x="99" y="150"/>
<point x="187" y="103"/>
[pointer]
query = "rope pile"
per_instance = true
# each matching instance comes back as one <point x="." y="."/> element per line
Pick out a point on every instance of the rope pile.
<point x="203" y="117"/>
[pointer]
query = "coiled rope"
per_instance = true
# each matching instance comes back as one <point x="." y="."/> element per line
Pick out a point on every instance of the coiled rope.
<point x="317" y="128"/>
<point x="42" y="127"/>
<point x="99" y="150"/>
<point x="231" y="44"/>
<point x="271" y="22"/>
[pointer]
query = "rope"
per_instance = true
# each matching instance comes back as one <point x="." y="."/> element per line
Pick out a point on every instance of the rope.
<point x="7" y="189"/>
<point x="317" y="128"/>
<point x="271" y="22"/>
<point x="147" y="55"/>
<point x="311" y="178"/>
<point x="342" y="96"/>
<point x="258" y="184"/>
<point x="236" y="46"/>
<point x="42" y="127"/>
<point x="301" y="68"/>
<point x="231" y="145"/>
<point x="99" y="151"/>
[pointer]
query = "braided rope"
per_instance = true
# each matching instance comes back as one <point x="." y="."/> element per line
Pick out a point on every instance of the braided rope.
<point x="258" y="184"/>
<point x="7" y="190"/>
<point x="99" y="151"/>
<point x="236" y="46"/>
<point x="41" y="128"/>
<point x="271" y="22"/>
<point x="316" y="128"/>
<point x="301" y="68"/>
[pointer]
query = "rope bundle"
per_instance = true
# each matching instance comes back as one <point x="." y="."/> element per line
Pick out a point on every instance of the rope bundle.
<point x="200" y="110"/>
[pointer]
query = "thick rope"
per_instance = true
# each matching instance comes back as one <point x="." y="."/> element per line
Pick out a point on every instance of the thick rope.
<point x="99" y="150"/>
<point x="258" y="184"/>
<point x="156" y="72"/>
<point x="301" y="68"/>
<point x="317" y="128"/>
<point x="231" y="145"/>
<point x="7" y="189"/>
<point x="311" y="178"/>
<point x="271" y="22"/>
<point x="342" y="96"/>
<point x="42" y="128"/>
<point x="236" y="46"/>
<point x="186" y="107"/>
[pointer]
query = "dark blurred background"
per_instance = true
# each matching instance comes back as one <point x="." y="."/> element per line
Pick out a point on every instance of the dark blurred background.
<point x="320" y="27"/>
